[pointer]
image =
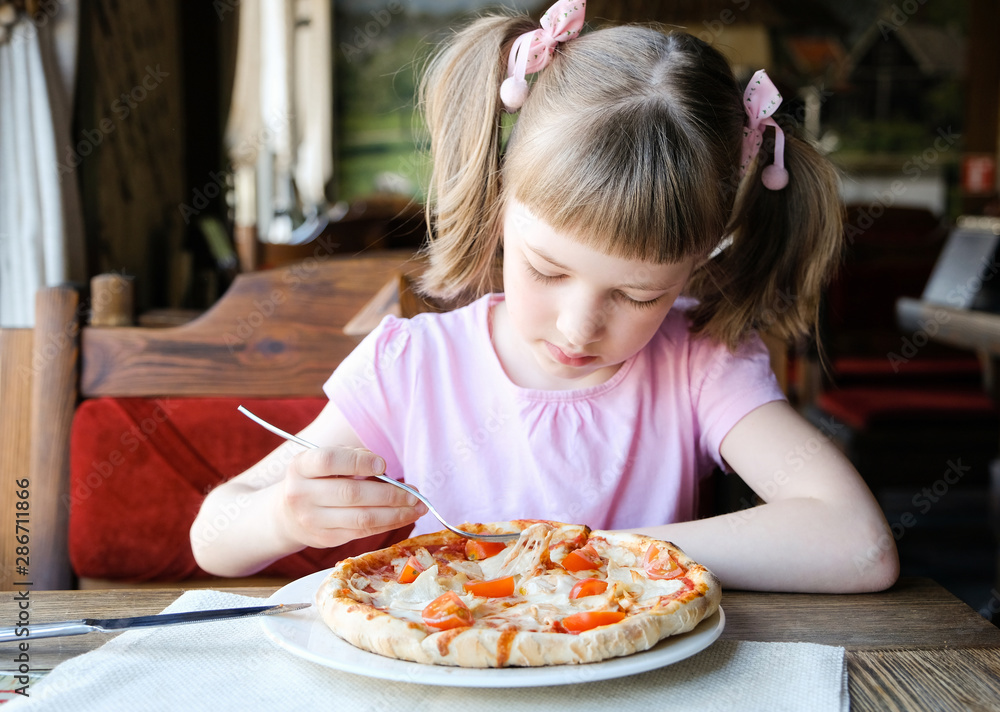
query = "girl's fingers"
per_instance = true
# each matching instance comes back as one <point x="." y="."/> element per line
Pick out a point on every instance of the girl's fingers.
<point x="349" y="492"/>
<point x="328" y="461"/>
<point x="330" y="498"/>
<point x="359" y="521"/>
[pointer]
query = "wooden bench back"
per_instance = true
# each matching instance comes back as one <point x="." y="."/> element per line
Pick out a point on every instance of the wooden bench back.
<point x="274" y="333"/>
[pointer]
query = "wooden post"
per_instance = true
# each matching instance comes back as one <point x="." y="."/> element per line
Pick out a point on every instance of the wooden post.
<point x="247" y="247"/>
<point x="15" y="443"/>
<point x="53" y="398"/>
<point x="112" y="297"/>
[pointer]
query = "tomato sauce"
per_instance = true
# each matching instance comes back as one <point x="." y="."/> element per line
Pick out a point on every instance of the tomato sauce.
<point x="504" y="645"/>
<point x="444" y="639"/>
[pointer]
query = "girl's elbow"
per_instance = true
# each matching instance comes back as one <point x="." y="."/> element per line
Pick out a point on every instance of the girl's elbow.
<point x="206" y="555"/>
<point x="883" y="575"/>
<point x="875" y="561"/>
<point x="201" y="553"/>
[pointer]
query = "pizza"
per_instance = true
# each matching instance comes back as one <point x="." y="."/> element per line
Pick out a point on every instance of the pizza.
<point x="558" y="594"/>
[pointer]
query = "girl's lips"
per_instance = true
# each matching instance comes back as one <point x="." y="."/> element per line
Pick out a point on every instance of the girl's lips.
<point x="565" y="359"/>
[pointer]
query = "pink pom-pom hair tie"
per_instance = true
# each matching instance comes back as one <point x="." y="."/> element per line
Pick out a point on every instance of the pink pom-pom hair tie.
<point x="532" y="51"/>
<point x="760" y="100"/>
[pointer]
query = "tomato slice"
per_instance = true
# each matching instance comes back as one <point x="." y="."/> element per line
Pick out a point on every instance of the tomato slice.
<point x="588" y="587"/>
<point x="583" y="559"/>
<point x="659" y="564"/>
<point x="579" y="622"/>
<point x="497" y="588"/>
<point x="411" y="569"/>
<point x="479" y="550"/>
<point x="447" y="611"/>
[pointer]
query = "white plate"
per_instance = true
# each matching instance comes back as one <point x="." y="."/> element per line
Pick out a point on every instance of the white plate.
<point x="305" y="634"/>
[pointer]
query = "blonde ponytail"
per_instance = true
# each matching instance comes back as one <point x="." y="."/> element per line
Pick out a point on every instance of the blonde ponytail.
<point x="785" y="247"/>
<point x="460" y="94"/>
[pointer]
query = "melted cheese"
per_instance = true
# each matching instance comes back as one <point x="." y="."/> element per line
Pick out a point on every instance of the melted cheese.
<point x="541" y="597"/>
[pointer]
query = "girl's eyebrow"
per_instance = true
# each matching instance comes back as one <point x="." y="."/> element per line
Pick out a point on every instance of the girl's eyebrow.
<point x="639" y="286"/>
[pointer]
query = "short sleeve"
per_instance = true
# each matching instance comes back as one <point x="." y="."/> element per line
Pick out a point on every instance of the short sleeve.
<point x="367" y="386"/>
<point x="726" y="386"/>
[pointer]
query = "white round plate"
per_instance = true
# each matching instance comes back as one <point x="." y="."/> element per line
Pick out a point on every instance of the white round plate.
<point x="305" y="634"/>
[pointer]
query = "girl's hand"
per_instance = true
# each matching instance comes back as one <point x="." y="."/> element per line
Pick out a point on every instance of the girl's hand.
<point x="327" y="499"/>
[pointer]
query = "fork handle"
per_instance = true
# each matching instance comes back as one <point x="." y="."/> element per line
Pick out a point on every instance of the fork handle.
<point x="385" y="478"/>
<point x="460" y="532"/>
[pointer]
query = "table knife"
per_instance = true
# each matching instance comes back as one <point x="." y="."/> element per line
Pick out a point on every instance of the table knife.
<point x="114" y="625"/>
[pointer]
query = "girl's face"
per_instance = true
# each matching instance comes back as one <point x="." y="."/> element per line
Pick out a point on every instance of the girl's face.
<point x="572" y="315"/>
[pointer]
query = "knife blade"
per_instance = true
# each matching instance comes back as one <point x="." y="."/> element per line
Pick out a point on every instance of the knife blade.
<point x="115" y="625"/>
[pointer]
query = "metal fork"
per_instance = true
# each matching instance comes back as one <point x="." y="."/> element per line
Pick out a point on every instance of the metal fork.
<point x="396" y="483"/>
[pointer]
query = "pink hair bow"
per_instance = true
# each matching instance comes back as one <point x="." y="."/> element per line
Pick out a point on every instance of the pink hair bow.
<point x="760" y="100"/>
<point x="533" y="50"/>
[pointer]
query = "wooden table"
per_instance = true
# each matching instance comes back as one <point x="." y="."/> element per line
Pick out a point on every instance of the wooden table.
<point x="913" y="647"/>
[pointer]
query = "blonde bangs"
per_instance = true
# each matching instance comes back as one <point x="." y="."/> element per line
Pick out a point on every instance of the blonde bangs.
<point x="622" y="184"/>
<point x="623" y="165"/>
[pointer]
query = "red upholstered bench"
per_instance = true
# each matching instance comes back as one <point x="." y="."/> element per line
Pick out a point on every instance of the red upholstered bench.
<point x="900" y="404"/>
<point x="949" y="371"/>
<point x="140" y="468"/>
<point x="868" y="407"/>
<point x="902" y="439"/>
<point x="129" y="427"/>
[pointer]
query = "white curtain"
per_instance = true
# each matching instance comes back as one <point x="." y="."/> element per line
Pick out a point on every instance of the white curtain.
<point x="41" y="229"/>
<point x="280" y="128"/>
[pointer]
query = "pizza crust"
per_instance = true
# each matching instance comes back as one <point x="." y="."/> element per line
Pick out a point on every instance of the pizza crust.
<point x="349" y="612"/>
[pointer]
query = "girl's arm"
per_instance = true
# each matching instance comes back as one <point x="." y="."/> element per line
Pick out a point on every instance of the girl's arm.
<point x="821" y="529"/>
<point x="295" y="498"/>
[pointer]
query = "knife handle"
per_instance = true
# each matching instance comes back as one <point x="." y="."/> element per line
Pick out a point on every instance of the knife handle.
<point x="45" y="630"/>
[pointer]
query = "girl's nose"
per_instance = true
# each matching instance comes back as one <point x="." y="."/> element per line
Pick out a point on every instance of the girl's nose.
<point x="581" y="324"/>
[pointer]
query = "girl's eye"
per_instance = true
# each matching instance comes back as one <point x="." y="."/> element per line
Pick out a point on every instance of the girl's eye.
<point x="620" y="296"/>
<point x="638" y="304"/>
<point x="543" y="278"/>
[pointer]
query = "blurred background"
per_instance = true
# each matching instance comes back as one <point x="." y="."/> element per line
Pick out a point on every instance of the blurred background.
<point x="182" y="142"/>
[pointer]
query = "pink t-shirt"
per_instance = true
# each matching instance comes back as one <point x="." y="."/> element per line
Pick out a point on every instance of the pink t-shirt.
<point x="430" y="396"/>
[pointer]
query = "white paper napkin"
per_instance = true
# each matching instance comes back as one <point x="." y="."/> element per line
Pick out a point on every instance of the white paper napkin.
<point x="233" y="665"/>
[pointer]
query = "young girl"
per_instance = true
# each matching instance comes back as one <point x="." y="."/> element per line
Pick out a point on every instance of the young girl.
<point x="640" y="230"/>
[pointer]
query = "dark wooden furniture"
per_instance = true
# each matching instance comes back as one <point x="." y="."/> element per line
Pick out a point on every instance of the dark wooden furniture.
<point x="958" y="308"/>
<point x="909" y="410"/>
<point x="275" y="333"/>
<point x="913" y="647"/>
